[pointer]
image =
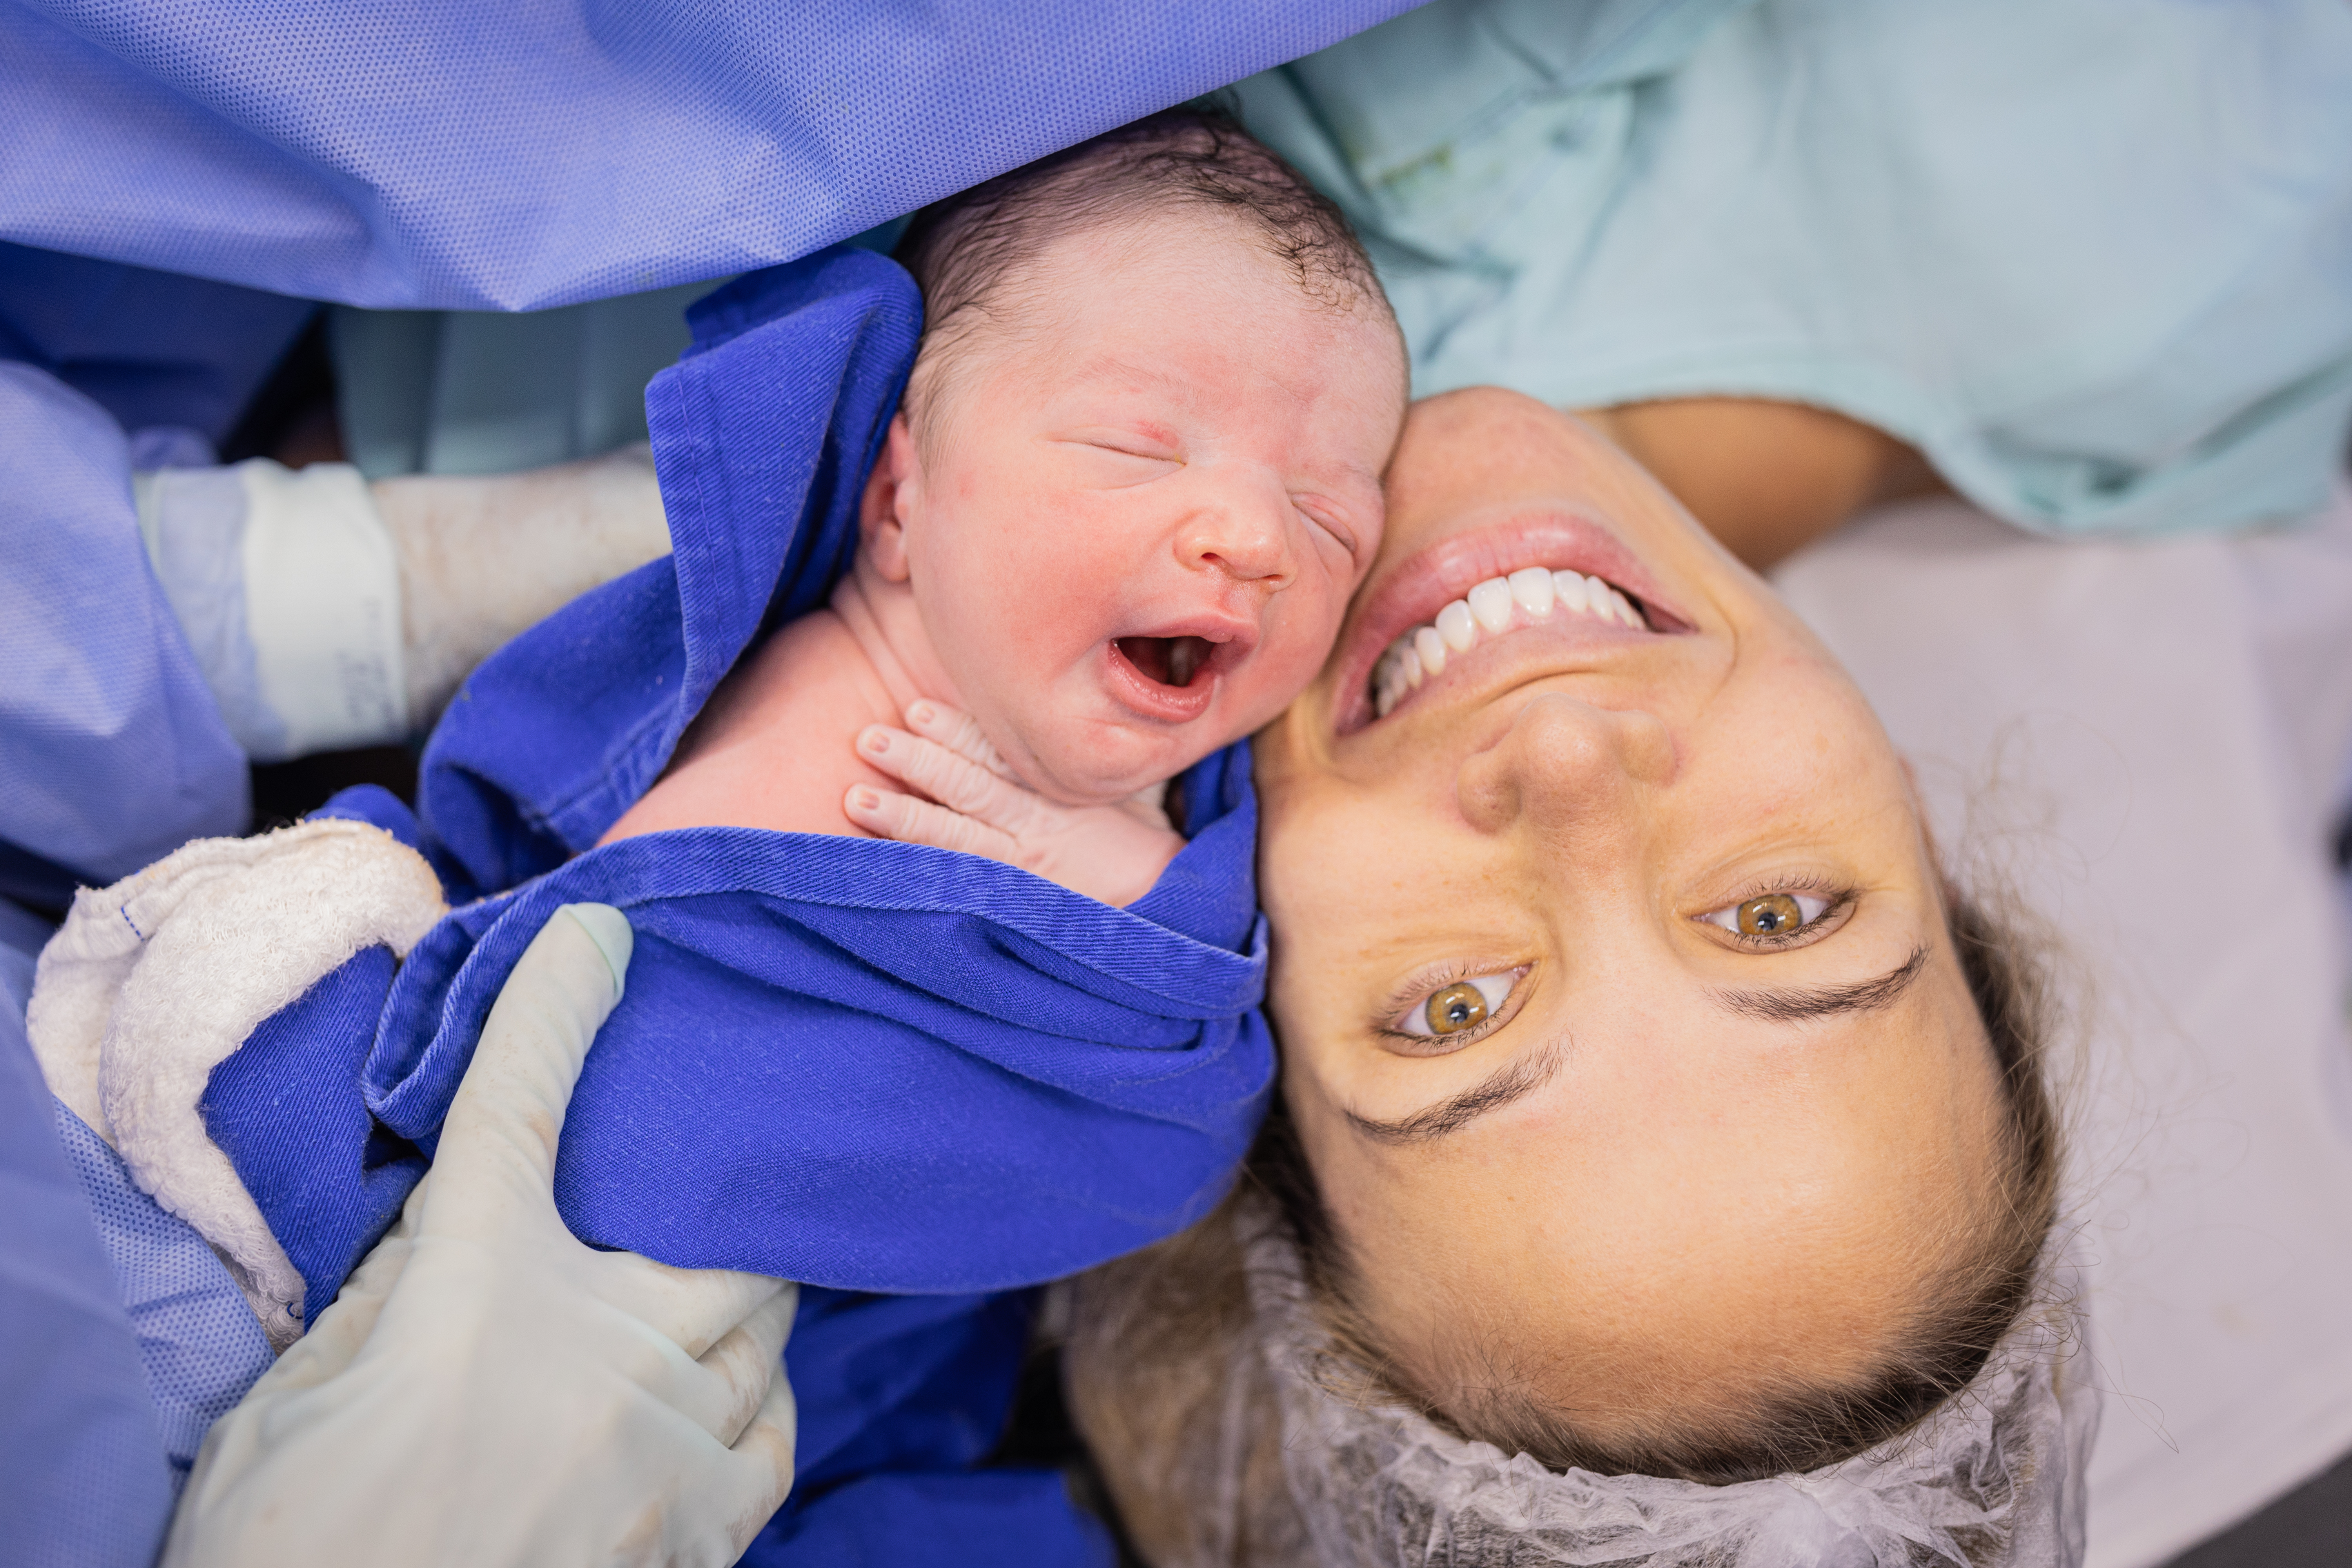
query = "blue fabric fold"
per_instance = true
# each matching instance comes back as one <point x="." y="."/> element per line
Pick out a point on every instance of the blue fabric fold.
<point x="331" y="1178"/>
<point x="902" y="1402"/>
<point x="763" y="435"/>
<point x="872" y="1066"/>
<point x="112" y="751"/>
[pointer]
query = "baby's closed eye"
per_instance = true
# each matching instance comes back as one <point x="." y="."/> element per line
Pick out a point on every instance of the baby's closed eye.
<point x="1111" y="459"/>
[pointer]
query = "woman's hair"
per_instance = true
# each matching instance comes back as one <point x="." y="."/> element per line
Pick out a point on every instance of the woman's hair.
<point x="1167" y="1387"/>
<point x="970" y="254"/>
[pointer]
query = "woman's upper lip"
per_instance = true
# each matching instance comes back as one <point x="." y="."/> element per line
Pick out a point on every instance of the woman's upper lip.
<point x="1412" y="592"/>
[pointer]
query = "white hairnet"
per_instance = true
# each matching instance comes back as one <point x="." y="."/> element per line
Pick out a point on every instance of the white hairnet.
<point x="1994" y="1479"/>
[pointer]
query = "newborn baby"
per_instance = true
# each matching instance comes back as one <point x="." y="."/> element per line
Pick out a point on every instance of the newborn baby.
<point x="1134" y="481"/>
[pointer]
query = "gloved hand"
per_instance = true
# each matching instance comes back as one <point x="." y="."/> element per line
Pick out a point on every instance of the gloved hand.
<point x="489" y="1390"/>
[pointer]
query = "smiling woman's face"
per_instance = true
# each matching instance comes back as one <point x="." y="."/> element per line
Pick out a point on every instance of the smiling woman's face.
<point x="1620" y="1018"/>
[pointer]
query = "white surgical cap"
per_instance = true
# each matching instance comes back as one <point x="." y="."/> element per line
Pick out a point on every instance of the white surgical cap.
<point x="1993" y="1480"/>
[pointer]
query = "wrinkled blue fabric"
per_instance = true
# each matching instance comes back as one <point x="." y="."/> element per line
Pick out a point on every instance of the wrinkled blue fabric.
<point x="281" y="1108"/>
<point x="83" y="1478"/>
<point x="112" y="751"/>
<point x="900" y="1396"/>
<point x="876" y="1066"/>
<point x="402" y="153"/>
<point x="869" y="1067"/>
<point x="1010" y="1515"/>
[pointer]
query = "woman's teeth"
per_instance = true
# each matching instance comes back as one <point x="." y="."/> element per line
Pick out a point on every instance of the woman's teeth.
<point x="1491" y="608"/>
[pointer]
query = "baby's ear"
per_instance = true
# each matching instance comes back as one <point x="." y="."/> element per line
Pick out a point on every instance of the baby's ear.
<point x="892" y="491"/>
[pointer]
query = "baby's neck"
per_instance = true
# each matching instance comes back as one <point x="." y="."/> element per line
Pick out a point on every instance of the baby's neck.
<point x="775" y="747"/>
<point x="882" y="619"/>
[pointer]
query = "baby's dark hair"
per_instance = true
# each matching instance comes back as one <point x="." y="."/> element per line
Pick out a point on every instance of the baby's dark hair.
<point x="1168" y="1387"/>
<point x="968" y="253"/>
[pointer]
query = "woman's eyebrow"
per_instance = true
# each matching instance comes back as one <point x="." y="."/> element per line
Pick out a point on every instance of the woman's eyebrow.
<point x="1507" y="1084"/>
<point x="1820" y="1002"/>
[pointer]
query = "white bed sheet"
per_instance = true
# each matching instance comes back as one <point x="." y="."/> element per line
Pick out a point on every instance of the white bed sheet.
<point x="2148" y="739"/>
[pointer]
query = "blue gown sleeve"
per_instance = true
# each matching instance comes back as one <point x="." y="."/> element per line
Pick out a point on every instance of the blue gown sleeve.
<point x="405" y="153"/>
<point x="155" y="350"/>
<point x="113" y="750"/>
<point x="83" y="1478"/>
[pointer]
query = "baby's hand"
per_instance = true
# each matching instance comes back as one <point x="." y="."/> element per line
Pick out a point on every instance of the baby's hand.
<point x="1113" y="853"/>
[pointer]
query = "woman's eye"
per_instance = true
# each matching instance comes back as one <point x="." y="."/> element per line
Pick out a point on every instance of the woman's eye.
<point x="1459" y="1007"/>
<point x="1769" y="914"/>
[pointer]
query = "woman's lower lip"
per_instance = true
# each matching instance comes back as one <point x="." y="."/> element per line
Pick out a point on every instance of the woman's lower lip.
<point x="1152" y="699"/>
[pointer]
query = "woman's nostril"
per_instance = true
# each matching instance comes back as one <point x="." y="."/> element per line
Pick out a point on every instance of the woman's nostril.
<point x="1564" y="759"/>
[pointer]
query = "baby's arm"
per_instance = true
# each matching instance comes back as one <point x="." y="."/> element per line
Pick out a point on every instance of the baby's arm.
<point x="1114" y="853"/>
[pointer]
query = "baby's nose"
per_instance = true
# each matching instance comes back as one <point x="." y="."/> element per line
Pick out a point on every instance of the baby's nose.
<point x="1248" y="543"/>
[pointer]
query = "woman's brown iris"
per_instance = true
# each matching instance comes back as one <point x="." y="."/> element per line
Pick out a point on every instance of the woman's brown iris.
<point x="1457" y="1007"/>
<point x="1774" y="914"/>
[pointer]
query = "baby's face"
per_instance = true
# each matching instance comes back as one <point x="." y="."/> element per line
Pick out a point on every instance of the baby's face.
<point x="1146" y="492"/>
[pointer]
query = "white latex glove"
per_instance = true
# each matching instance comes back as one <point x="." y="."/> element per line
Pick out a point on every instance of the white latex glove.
<point x="489" y="1390"/>
<point x="976" y="807"/>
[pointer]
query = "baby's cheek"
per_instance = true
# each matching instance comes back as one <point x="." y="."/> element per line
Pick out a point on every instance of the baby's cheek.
<point x="1299" y="639"/>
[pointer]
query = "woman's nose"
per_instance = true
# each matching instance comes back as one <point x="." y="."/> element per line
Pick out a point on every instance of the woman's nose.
<point x="1249" y="540"/>
<point x="1564" y="764"/>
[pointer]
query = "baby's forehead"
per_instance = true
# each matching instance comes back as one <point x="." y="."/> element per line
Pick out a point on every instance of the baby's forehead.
<point x="1118" y="272"/>
<point x="1190" y="341"/>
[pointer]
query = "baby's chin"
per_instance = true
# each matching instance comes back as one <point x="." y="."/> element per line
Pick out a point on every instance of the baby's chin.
<point x="1106" y="770"/>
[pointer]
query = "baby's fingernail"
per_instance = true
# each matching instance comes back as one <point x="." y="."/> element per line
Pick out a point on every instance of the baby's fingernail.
<point x="921" y="713"/>
<point x="877" y="742"/>
<point x="864" y="799"/>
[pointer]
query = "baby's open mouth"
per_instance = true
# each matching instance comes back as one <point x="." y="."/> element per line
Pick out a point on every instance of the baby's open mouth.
<point x="1166" y="661"/>
<point x="1530" y="596"/>
<point x="1170" y="679"/>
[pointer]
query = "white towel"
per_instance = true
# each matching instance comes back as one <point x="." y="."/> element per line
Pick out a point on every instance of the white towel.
<point x="154" y="981"/>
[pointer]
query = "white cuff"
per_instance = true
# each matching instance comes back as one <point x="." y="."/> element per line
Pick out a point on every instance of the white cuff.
<point x="323" y="608"/>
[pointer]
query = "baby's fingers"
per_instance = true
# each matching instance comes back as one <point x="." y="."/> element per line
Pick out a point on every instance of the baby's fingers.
<point x="906" y="820"/>
<point x="958" y="785"/>
<point x="958" y="730"/>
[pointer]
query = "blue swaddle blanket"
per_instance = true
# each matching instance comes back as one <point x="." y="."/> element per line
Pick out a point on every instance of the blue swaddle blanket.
<point x="865" y="1066"/>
